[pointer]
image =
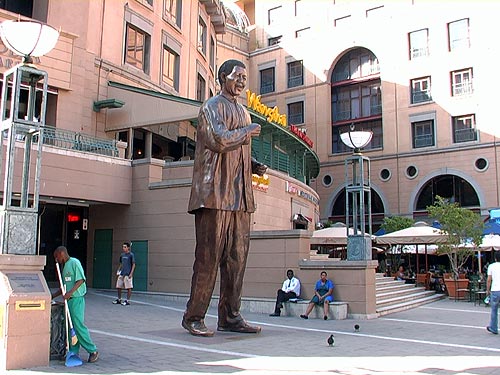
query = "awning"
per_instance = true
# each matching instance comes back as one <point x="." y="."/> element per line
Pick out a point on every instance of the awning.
<point x="147" y="107"/>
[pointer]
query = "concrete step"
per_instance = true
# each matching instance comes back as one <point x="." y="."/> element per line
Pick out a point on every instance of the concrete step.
<point x="396" y="307"/>
<point x="402" y="298"/>
<point x="388" y="292"/>
<point x="389" y="287"/>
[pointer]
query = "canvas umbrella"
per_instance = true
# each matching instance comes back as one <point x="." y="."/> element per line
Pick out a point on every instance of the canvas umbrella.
<point x="419" y="233"/>
<point x="334" y="235"/>
<point x="490" y="242"/>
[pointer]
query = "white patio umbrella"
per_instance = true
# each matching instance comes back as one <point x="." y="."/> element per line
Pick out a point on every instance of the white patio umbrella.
<point x="419" y="233"/>
<point x="334" y="235"/>
<point x="490" y="242"/>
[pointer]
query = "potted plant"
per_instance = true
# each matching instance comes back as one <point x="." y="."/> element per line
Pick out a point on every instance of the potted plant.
<point x="464" y="229"/>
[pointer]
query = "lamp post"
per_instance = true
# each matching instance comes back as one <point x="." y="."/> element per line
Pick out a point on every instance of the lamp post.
<point x="25" y="303"/>
<point x="358" y="194"/>
<point x="19" y="215"/>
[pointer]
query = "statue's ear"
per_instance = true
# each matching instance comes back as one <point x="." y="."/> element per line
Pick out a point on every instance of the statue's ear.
<point x="223" y="77"/>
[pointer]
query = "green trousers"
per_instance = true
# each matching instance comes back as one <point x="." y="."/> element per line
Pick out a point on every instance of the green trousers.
<point x="76" y="306"/>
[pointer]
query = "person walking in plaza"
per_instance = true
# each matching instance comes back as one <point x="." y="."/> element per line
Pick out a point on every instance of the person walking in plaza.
<point x="125" y="274"/>
<point x="290" y="289"/>
<point x="74" y="281"/>
<point x="493" y="290"/>
<point x="222" y="201"/>
<point x="323" y="295"/>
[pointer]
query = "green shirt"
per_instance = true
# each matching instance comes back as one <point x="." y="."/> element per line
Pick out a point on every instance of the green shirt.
<point x="71" y="273"/>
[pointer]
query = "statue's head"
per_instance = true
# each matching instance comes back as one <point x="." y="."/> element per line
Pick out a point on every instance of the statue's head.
<point x="227" y="68"/>
<point x="232" y="77"/>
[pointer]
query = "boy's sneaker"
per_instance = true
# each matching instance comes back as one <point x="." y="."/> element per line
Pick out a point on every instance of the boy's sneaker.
<point x="125" y="303"/>
<point x="93" y="357"/>
<point x="117" y="302"/>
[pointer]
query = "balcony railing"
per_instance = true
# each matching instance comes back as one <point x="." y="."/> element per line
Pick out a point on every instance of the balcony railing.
<point x="78" y="141"/>
<point x="465" y="135"/>
<point x="464" y="88"/>
<point x="421" y="96"/>
<point x="423" y="141"/>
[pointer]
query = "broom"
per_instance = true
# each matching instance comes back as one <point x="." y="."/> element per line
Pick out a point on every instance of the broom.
<point x="74" y="339"/>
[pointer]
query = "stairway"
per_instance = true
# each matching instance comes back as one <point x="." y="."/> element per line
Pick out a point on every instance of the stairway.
<point x="394" y="295"/>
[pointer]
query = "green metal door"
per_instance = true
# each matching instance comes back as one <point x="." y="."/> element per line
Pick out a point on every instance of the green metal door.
<point x="140" y="250"/>
<point x="103" y="249"/>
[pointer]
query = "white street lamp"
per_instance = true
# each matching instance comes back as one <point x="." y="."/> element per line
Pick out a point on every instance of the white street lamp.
<point x="358" y="195"/>
<point x="28" y="38"/>
<point x="23" y="123"/>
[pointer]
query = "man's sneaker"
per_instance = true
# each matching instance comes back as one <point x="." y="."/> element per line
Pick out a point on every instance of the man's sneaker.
<point x="117" y="302"/>
<point x="93" y="357"/>
<point x="125" y="303"/>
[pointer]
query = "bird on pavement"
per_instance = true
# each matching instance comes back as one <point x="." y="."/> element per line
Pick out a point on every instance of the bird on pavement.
<point x="331" y="340"/>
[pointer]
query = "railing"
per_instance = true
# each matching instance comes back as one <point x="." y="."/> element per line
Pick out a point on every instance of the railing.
<point x="465" y="135"/>
<point x="295" y="81"/>
<point x="423" y="141"/>
<point x="464" y="88"/>
<point x="77" y="141"/>
<point x="266" y="88"/>
<point x="421" y="96"/>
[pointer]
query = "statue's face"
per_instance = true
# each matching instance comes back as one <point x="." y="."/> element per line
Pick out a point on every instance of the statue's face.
<point x="235" y="82"/>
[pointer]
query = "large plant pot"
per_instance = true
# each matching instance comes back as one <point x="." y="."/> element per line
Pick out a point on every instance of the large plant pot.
<point x="457" y="289"/>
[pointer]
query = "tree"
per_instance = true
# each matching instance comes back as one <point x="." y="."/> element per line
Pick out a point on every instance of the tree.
<point x="394" y="223"/>
<point x="462" y="226"/>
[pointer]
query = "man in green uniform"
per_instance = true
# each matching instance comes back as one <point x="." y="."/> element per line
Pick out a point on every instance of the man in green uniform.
<point x="73" y="279"/>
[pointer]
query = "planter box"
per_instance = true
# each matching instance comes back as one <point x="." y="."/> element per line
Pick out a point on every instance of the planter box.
<point x="457" y="289"/>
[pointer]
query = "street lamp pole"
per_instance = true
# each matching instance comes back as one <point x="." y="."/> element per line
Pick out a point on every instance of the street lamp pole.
<point x="358" y="196"/>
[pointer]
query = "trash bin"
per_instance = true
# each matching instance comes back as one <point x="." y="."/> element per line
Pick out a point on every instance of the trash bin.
<point x="57" y="331"/>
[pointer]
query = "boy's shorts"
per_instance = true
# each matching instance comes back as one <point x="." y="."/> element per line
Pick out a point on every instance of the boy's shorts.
<point x="124" y="282"/>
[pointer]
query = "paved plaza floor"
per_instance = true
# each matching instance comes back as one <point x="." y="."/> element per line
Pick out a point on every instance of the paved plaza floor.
<point x="444" y="337"/>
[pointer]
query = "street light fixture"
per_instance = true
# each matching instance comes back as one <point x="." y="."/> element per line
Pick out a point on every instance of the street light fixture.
<point x="28" y="38"/>
<point x="23" y="124"/>
<point x="358" y="193"/>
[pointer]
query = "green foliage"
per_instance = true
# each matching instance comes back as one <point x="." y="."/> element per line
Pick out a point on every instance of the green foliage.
<point x="394" y="223"/>
<point x="462" y="226"/>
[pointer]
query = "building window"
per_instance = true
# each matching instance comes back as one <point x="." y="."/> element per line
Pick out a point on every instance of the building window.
<point x="300" y="7"/>
<point x="295" y="72"/>
<point x="296" y="113"/>
<point x="464" y="129"/>
<point x="200" y="88"/>
<point x="170" y="68"/>
<point x="273" y="15"/>
<point x="267" y="80"/>
<point x="302" y="32"/>
<point x="274" y="40"/>
<point x="137" y="48"/>
<point x="423" y="133"/>
<point x="458" y="34"/>
<point x="352" y="102"/>
<point x="461" y="82"/>
<point x="212" y="53"/>
<point x="202" y="36"/>
<point x="173" y="11"/>
<point x="419" y="43"/>
<point x="358" y="63"/>
<point x="421" y="90"/>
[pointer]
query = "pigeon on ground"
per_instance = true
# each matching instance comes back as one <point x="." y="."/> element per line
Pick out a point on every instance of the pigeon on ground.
<point x="331" y="340"/>
<point x="356" y="328"/>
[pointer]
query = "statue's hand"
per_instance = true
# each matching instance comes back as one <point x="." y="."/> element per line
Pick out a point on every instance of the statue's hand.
<point x="259" y="168"/>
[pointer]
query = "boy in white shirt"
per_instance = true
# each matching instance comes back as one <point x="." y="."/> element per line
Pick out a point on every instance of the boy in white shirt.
<point x="493" y="290"/>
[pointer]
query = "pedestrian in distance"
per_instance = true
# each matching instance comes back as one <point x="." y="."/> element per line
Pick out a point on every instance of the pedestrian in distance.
<point x="493" y="291"/>
<point x="289" y="290"/>
<point x="222" y="202"/>
<point x="323" y="295"/>
<point x="125" y="274"/>
<point x="74" y="281"/>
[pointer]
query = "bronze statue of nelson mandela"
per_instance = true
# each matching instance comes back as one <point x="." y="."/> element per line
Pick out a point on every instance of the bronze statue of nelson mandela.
<point x="222" y="202"/>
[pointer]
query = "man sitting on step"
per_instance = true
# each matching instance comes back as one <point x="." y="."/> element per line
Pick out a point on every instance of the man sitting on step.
<point x="290" y="289"/>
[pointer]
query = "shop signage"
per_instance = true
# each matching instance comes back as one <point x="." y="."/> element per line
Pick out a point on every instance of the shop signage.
<point x="260" y="182"/>
<point x="296" y="190"/>
<point x="273" y="115"/>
